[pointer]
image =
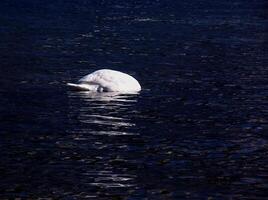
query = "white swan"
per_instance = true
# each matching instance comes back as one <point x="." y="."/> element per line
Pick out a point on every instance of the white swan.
<point x="106" y="80"/>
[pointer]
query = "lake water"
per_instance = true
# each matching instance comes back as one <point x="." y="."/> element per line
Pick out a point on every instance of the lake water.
<point x="197" y="130"/>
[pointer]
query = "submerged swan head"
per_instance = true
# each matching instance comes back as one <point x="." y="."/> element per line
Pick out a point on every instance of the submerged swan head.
<point x="106" y="80"/>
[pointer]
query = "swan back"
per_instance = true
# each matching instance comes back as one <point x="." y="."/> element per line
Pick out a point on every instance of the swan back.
<point x="106" y="80"/>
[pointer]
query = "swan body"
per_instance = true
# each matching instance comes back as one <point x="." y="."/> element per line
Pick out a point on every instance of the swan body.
<point x="106" y="80"/>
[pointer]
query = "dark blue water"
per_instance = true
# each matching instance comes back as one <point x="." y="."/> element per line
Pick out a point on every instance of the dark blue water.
<point x="197" y="130"/>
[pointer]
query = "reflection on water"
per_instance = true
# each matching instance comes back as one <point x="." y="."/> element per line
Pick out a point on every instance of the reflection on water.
<point x="109" y="111"/>
<point x="102" y="115"/>
<point x="105" y="96"/>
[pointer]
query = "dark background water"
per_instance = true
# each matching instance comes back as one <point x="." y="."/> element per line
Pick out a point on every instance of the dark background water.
<point x="197" y="130"/>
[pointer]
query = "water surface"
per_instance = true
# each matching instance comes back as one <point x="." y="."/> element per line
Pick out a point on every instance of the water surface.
<point x="197" y="130"/>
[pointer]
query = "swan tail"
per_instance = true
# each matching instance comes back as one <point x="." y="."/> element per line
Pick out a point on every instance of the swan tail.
<point x="82" y="87"/>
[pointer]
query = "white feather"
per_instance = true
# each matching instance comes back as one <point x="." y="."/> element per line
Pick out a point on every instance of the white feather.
<point x="106" y="80"/>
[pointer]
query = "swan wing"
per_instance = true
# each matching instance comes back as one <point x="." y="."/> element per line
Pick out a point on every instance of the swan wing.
<point x="112" y="81"/>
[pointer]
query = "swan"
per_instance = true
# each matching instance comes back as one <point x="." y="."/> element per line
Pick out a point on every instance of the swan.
<point x="106" y="80"/>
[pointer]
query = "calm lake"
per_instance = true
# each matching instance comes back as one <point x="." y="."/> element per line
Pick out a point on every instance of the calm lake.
<point x="197" y="130"/>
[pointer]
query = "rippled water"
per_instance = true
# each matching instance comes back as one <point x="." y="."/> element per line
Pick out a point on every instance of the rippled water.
<point x="197" y="130"/>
